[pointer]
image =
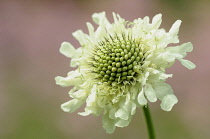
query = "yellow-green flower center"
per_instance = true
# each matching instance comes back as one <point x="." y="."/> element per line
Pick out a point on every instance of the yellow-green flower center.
<point x="117" y="60"/>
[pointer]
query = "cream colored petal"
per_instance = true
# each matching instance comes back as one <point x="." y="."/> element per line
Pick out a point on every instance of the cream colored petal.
<point x="112" y="113"/>
<point x="156" y="21"/>
<point x="181" y="50"/>
<point x="91" y="100"/>
<point x="188" y="64"/>
<point x="108" y="124"/>
<point x="162" y="89"/>
<point x="81" y="37"/>
<point x="168" y="102"/>
<point x="79" y="94"/>
<point x="73" y="78"/>
<point x="150" y="93"/>
<point x="100" y="18"/>
<point x="122" y="123"/>
<point x="122" y="114"/>
<point x="141" y="99"/>
<point x="174" y="30"/>
<point x="67" y="49"/>
<point x="91" y="30"/>
<point x="75" y="62"/>
<point x="72" y="105"/>
<point x="86" y="113"/>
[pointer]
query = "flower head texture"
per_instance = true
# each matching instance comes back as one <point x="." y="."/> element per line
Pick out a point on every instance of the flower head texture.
<point x="121" y="66"/>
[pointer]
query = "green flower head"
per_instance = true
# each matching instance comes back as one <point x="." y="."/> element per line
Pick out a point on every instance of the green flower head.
<point x="121" y="66"/>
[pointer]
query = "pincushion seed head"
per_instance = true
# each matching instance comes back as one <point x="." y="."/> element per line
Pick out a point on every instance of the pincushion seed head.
<point x="115" y="60"/>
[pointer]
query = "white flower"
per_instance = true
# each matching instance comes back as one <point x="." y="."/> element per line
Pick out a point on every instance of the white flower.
<point x="121" y="66"/>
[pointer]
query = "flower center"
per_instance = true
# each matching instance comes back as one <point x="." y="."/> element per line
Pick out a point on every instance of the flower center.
<point x="117" y="60"/>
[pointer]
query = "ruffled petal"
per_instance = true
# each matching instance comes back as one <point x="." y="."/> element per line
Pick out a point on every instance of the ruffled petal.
<point x="188" y="64"/>
<point x="156" y="21"/>
<point x="81" y="37"/>
<point x="108" y="124"/>
<point x="162" y="89"/>
<point x="150" y="93"/>
<point x="141" y="99"/>
<point x="122" y="114"/>
<point x="73" y="78"/>
<point x="72" y="105"/>
<point x="174" y="30"/>
<point x="122" y="123"/>
<point x="100" y="18"/>
<point x="168" y="102"/>
<point x="181" y="50"/>
<point x="67" y="49"/>
<point x="80" y="94"/>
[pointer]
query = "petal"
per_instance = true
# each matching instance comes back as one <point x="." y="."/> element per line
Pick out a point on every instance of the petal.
<point x="81" y="37"/>
<point x="168" y="102"/>
<point x="108" y="124"/>
<point x="162" y="89"/>
<point x="67" y="49"/>
<point x="86" y="113"/>
<point x="122" y="114"/>
<point x="181" y="50"/>
<point x="73" y="78"/>
<point x="75" y="62"/>
<point x="100" y="18"/>
<point x="80" y="94"/>
<point x="188" y="64"/>
<point x="122" y="123"/>
<point x="156" y="21"/>
<point x="150" y="93"/>
<point x="174" y="30"/>
<point x="91" y="30"/>
<point x="141" y="99"/>
<point x="72" y="105"/>
<point x="112" y="113"/>
<point x="91" y="100"/>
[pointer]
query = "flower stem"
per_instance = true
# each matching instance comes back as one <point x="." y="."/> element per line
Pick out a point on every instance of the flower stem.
<point x="148" y="119"/>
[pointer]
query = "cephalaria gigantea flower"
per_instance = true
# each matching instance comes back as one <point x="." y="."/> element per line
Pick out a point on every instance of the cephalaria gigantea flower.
<point x="121" y="66"/>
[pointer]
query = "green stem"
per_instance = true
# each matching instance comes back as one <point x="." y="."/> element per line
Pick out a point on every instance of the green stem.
<point x="148" y="118"/>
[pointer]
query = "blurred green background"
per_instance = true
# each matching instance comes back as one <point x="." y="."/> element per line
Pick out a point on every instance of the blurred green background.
<point x="30" y="36"/>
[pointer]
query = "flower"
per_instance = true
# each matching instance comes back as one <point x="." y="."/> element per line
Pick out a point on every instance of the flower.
<point x="121" y="66"/>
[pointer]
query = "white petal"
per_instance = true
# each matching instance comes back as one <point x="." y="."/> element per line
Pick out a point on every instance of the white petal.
<point x="168" y="102"/>
<point x="112" y="113"/>
<point x="141" y="99"/>
<point x="122" y="114"/>
<point x="122" y="123"/>
<point x="86" y="113"/>
<point x="181" y="50"/>
<point x="175" y="28"/>
<point x="80" y="94"/>
<point x="168" y="56"/>
<point x="144" y="79"/>
<point x="72" y="105"/>
<point x="150" y="93"/>
<point x="108" y="124"/>
<point x="162" y="89"/>
<point x="81" y="37"/>
<point x="100" y="18"/>
<point x="164" y="76"/>
<point x="91" y="30"/>
<point x="91" y="100"/>
<point x="73" y="78"/>
<point x="67" y="49"/>
<point x="156" y="21"/>
<point x="188" y="64"/>
<point x="75" y="62"/>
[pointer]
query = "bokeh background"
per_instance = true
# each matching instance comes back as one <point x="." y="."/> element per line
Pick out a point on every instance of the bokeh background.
<point x="31" y="32"/>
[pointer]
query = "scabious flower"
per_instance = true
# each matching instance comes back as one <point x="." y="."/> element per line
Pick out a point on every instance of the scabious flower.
<point x="121" y="66"/>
